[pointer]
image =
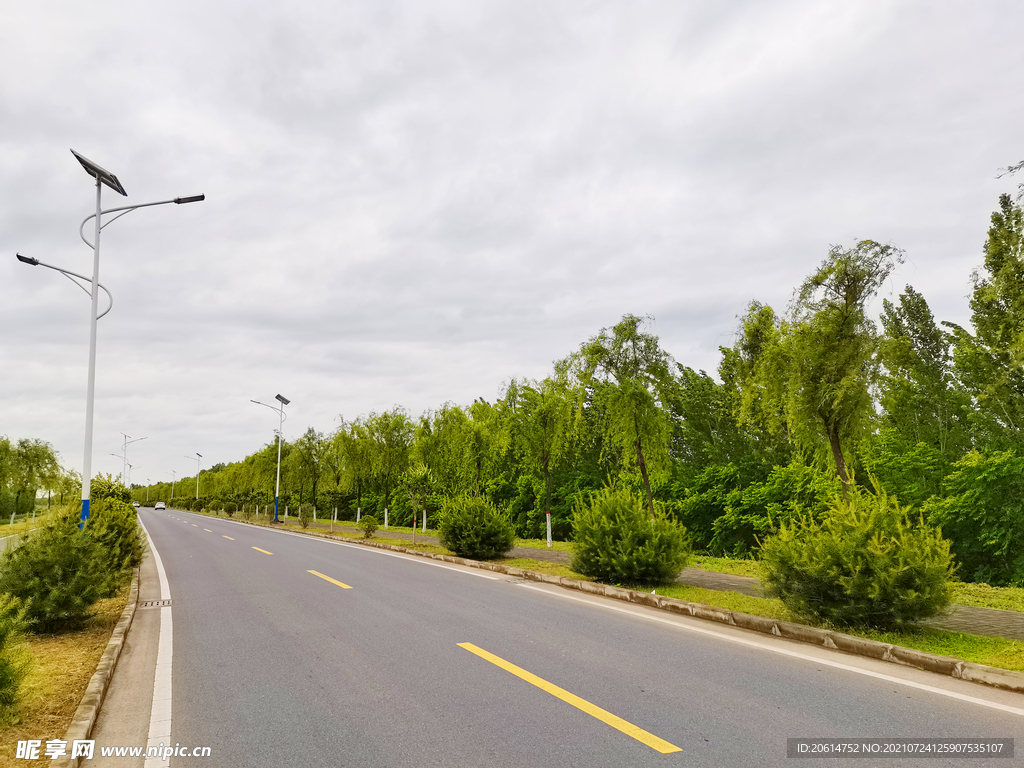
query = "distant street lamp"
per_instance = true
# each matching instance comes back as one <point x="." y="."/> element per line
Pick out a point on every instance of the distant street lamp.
<point x="280" y="426"/>
<point x="172" y="473"/>
<point x="148" y="483"/>
<point x="198" y="457"/>
<point x="124" y="454"/>
<point x="103" y="177"/>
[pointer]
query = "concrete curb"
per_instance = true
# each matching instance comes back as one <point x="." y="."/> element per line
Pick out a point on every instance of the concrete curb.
<point x="837" y="641"/>
<point x="89" y="708"/>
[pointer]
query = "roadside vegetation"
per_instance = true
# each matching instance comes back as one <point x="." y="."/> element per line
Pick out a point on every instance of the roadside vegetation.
<point x="51" y="581"/>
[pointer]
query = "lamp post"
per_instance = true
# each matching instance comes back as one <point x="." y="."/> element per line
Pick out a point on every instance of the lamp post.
<point x="172" y="473"/>
<point x="102" y="177"/>
<point x="280" y="426"/>
<point x="148" y="483"/>
<point x="198" y="457"/>
<point x="124" y="452"/>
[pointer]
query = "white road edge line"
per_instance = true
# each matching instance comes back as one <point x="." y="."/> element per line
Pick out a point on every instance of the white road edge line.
<point x="783" y="651"/>
<point x="373" y="550"/>
<point x="160" y="715"/>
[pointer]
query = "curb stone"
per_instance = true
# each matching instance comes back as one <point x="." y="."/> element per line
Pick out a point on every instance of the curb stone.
<point x="825" y="638"/>
<point x="89" y="708"/>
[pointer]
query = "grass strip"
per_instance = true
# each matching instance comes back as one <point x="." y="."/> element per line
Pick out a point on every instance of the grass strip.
<point x="62" y="666"/>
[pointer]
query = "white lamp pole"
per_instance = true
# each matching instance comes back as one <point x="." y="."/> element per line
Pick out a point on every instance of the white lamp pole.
<point x="198" y="457"/>
<point x="124" y="453"/>
<point x="103" y="177"/>
<point x="172" y="473"/>
<point x="280" y="426"/>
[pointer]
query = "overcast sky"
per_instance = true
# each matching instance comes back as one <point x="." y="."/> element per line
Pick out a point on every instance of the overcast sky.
<point x="409" y="203"/>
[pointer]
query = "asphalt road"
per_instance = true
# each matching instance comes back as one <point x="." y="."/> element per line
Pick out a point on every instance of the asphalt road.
<point x="422" y="664"/>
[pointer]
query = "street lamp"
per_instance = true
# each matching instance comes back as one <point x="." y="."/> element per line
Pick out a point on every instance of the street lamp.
<point x="148" y="483"/>
<point x="103" y="177"/>
<point x="199" y="455"/>
<point x="172" y="473"/>
<point x="280" y="426"/>
<point x="124" y="452"/>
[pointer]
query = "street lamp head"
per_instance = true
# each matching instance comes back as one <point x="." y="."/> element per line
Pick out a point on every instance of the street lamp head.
<point x="284" y="400"/>
<point x="27" y="260"/>
<point x="191" y="199"/>
<point x="100" y="174"/>
<point x="199" y="454"/>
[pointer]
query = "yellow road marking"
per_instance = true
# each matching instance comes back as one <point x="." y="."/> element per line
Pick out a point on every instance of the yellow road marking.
<point x="328" y="578"/>
<point x="263" y="551"/>
<point x="194" y="525"/>
<point x="207" y="530"/>
<point x="652" y="741"/>
<point x="226" y="537"/>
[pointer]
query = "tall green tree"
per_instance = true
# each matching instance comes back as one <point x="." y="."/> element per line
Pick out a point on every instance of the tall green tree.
<point x="311" y="452"/>
<point x="442" y="445"/>
<point x="917" y="388"/>
<point x="812" y="373"/>
<point x="352" y="444"/>
<point x="539" y="418"/>
<point x="990" y="362"/>
<point x="389" y="436"/>
<point x="627" y="376"/>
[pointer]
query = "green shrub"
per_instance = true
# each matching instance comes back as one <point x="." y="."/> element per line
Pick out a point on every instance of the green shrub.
<point x="305" y="514"/>
<point x="58" y="572"/>
<point x="471" y="526"/>
<point x="982" y="513"/>
<point x="14" y="657"/>
<point x="230" y="508"/>
<point x="618" y="541"/>
<point x="864" y="564"/>
<point x="114" y="524"/>
<point x="369" y="525"/>
<point x="106" y="487"/>
<point x="247" y="511"/>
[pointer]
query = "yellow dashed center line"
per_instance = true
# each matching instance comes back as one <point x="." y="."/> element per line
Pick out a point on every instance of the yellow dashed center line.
<point x="207" y="530"/>
<point x="263" y="551"/>
<point x="226" y="537"/>
<point x="194" y="525"/>
<point x="652" y="741"/>
<point x="328" y="578"/>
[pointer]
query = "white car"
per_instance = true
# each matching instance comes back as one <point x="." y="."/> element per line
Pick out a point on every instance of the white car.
<point x="160" y="505"/>
<point x="136" y="504"/>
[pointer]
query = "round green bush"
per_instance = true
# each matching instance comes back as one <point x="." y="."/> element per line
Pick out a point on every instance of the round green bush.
<point x="618" y="541"/>
<point x="864" y="564"/>
<point x="471" y="526"/>
<point x="369" y="525"/>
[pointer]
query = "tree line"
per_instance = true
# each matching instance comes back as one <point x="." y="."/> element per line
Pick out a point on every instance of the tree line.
<point x="27" y="467"/>
<point x="809" y="403"/>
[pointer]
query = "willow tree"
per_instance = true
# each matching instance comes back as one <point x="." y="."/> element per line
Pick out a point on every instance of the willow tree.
<point x="628" y="377"/>
<point x="812" y="372"/>
<point x="539" y="416"/>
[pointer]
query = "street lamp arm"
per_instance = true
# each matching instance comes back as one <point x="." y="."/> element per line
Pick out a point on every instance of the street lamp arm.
<point x="71" y="276"/>
<point x="284" y="416"/>
<point x="122" y="210"/>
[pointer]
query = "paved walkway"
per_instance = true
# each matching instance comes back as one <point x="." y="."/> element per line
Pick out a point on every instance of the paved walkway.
<point x="961" y="618"/>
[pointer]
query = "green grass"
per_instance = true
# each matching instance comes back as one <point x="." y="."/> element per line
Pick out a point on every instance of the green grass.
<point x="557" y="546"/>
<point x="731" y="565"/>
<point x="984" y="596"/>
